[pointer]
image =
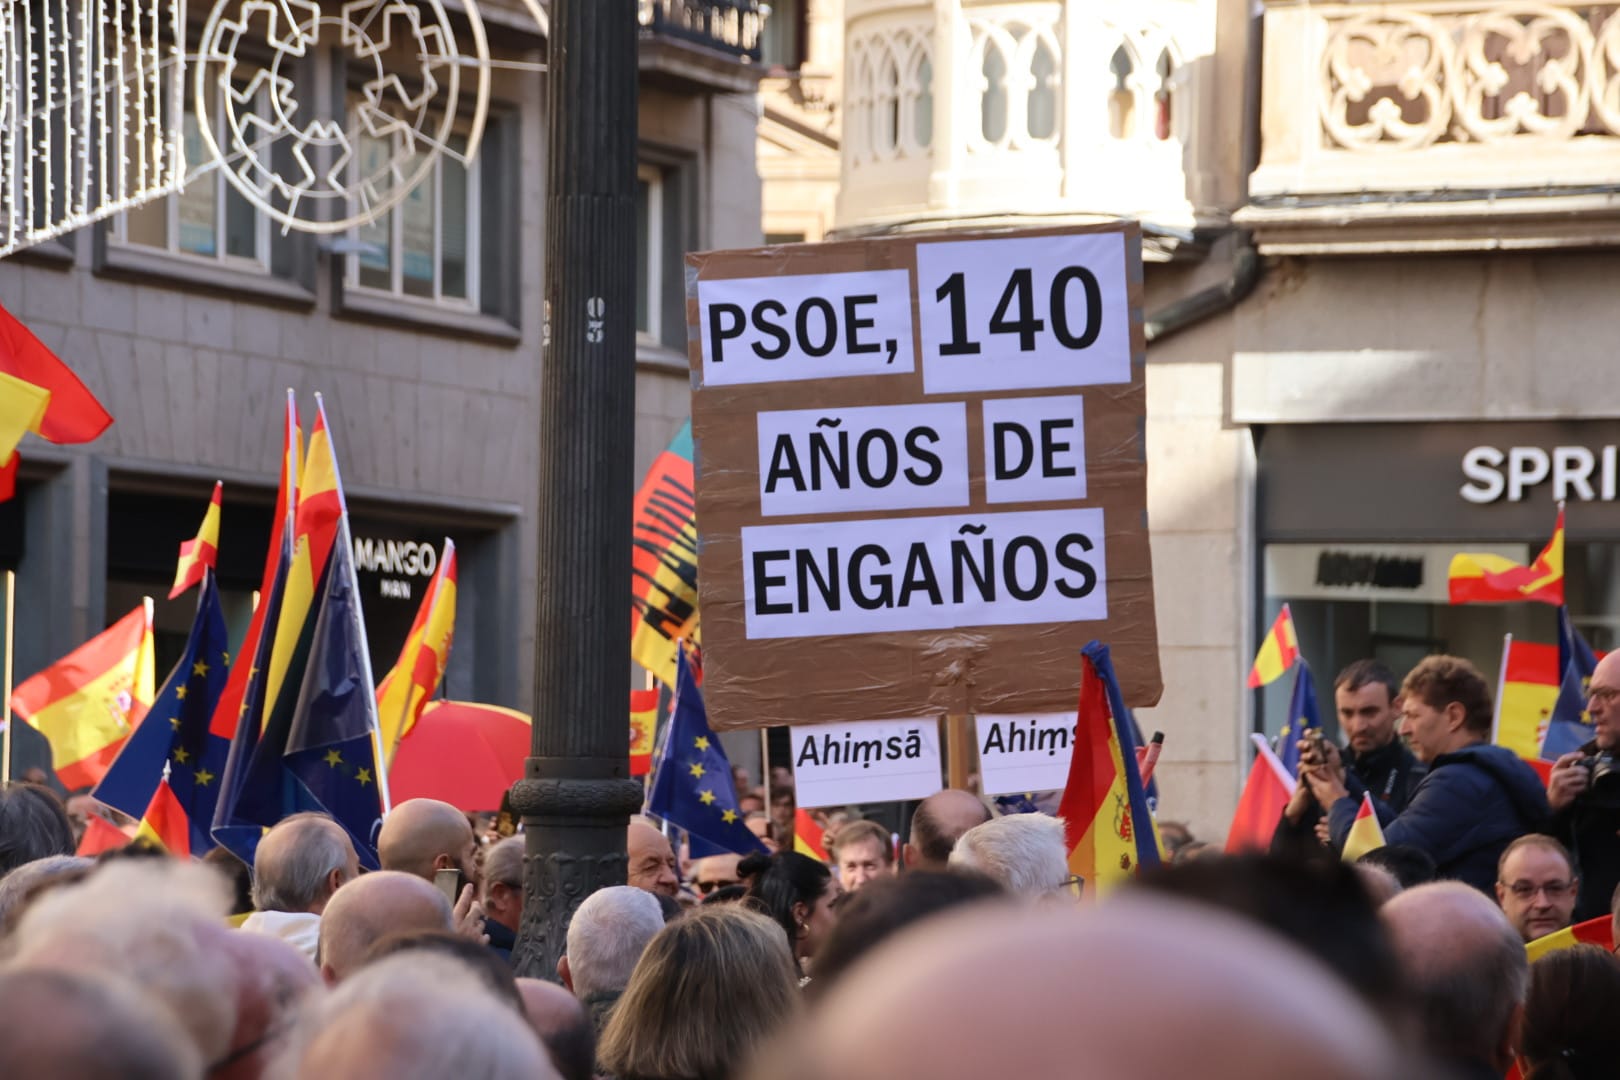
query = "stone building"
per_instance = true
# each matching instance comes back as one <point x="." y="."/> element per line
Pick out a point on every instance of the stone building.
<point x="191" y="316"/>
<point x="1376" y="239"/>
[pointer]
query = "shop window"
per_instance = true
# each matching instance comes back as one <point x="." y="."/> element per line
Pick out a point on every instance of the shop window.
<point x="923" y="106"/>
<point x="1043" y="98"/>
<point x="1162" y="97"/>
<point x="1121" y="99"/>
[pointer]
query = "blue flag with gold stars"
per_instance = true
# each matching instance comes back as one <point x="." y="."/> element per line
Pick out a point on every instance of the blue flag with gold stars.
<point x="1302" y="717"/>
<point x="692" y="787"/>
<point x="176" y="730"/>
<point x="330" y="756"/>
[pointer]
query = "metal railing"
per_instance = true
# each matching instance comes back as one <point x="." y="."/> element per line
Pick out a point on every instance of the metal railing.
<point x="732" y="27"/>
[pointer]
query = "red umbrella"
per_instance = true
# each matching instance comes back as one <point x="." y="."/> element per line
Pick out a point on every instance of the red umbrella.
<point x="462" y="752"/>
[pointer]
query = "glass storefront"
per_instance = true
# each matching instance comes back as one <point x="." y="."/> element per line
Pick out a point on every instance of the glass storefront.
<point x="1358" y="524"/>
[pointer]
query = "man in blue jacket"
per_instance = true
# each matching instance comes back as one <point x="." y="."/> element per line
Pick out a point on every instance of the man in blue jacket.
<point x="1476" y="798"/>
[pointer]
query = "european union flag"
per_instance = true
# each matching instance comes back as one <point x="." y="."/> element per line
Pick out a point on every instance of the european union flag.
<point x="176" y="730"/>
<point x="331" y="747"/>
<point x="1569" y="727"/>
<point x="692" y="788"/>
<point x="1302" y="716"/>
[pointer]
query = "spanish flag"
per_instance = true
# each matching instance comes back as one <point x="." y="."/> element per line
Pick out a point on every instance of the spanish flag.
<point x="88" y="702"/>
<point x="1277" y="652"/>
<point x="809" y="838"/>
<point x="165" y="823"/>
<point x="406" y="689"/>
<point x="200" y="553"/>
<point x="22" y="408"/>
<point x="1365" y="832"/>
<point x="73" y="415"/>
<point x="1110" y="830"/>
<point x="643" y="725"/>
<point x="1485" y="579"/>
<point x="1530" y="684"/>
<point x="1598" y="931"/>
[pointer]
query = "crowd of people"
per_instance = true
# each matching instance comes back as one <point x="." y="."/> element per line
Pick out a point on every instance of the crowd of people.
<point x="965" y="948"/>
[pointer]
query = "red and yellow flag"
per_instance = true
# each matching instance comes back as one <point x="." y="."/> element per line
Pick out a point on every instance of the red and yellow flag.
<point x="809" y="838"/>
<point x="643" y="725"/>
<point x="1109" y="829"/>
<point x="22" y="408"/>
<point x="1598" y="931"/>
<point x="73" y="415"/>
<point x="406" y="689"/>
<point x="1365" y="833"/>
<point x="201" y="553"/>
<point x="165" y="822"/>
<point x="231" y="703"/>
<point x="87" y="703"/>
<point x="1530" y="682"/>
<point x="1277" y="652"/>
<point x="1485" y="579"/>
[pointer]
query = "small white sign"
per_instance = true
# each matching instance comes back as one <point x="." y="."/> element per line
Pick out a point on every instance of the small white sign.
<point x="874" y="457"/>
<point x="1024" y="313"/>
<point x="880" y="761"/>
<point x="806" y="326"/>
<point x="1025" y="753"/>
<point x="1035" y="449"/>
<point x="924" y="573"/>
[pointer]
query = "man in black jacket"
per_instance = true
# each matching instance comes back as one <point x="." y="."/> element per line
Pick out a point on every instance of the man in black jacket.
<point x="1587" y="819"/>
<point x="1364" y="695"/>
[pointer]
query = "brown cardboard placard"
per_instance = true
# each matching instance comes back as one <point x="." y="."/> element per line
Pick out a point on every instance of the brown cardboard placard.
<point x="946" y="633"/>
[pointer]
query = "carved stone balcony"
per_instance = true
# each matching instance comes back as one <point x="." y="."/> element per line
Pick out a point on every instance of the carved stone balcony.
<point x="702" y="44"/>
<point x="990" y="111"/>
<point x="1438" y="125"/>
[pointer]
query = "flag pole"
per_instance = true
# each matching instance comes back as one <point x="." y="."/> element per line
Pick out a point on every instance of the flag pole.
<point x="5" y="737"/>
<point x="1501" y="684"/>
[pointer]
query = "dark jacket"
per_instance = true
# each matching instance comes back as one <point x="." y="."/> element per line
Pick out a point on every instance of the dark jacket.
<point x="501" y="940"/>
<point x="1592" y="834"/>
<point x="1391" y="773"/>
<point x="1471" y="805"/>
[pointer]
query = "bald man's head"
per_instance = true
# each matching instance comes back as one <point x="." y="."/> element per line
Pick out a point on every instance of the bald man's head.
<point x="301" y="862"/>
<point x="938" y="824"/>
<point x="423" y="836"/>
<point x="563" y="1026"/>
<point x="272" y="980"/>
<point x="369" y="909"/>
<point x="1245" y="1004"/>
<point x="1466" y="971"/>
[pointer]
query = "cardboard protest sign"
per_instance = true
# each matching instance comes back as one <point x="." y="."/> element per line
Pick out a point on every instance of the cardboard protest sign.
<point x="921" y="479"/>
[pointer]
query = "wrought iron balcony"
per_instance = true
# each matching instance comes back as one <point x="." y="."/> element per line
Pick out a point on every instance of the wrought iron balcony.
<point x="1438" y="125"/>
<point x="727" y="26"/>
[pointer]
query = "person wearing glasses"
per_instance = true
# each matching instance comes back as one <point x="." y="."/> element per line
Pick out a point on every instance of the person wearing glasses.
<point x="1584" y="792"/>
<point x="1536" y="886"/>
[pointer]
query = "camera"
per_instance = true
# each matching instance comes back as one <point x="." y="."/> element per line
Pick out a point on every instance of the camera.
<point x="1603" y="781"/>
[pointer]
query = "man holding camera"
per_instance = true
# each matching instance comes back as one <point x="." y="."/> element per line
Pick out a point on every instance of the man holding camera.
<point x="1364" y="696"/>
<point x="1474" y="800"/>
<point x="1584" y="793"/>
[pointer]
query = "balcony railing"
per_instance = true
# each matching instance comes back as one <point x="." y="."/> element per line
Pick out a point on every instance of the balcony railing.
<point x="728" y="26"/>
<point x="1015" y="109"/>
<point x="1440" y="101"/>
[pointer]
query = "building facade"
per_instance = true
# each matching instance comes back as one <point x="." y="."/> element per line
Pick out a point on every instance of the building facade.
<point x="191" y="316"/>
<point x="1377" y="239"/>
